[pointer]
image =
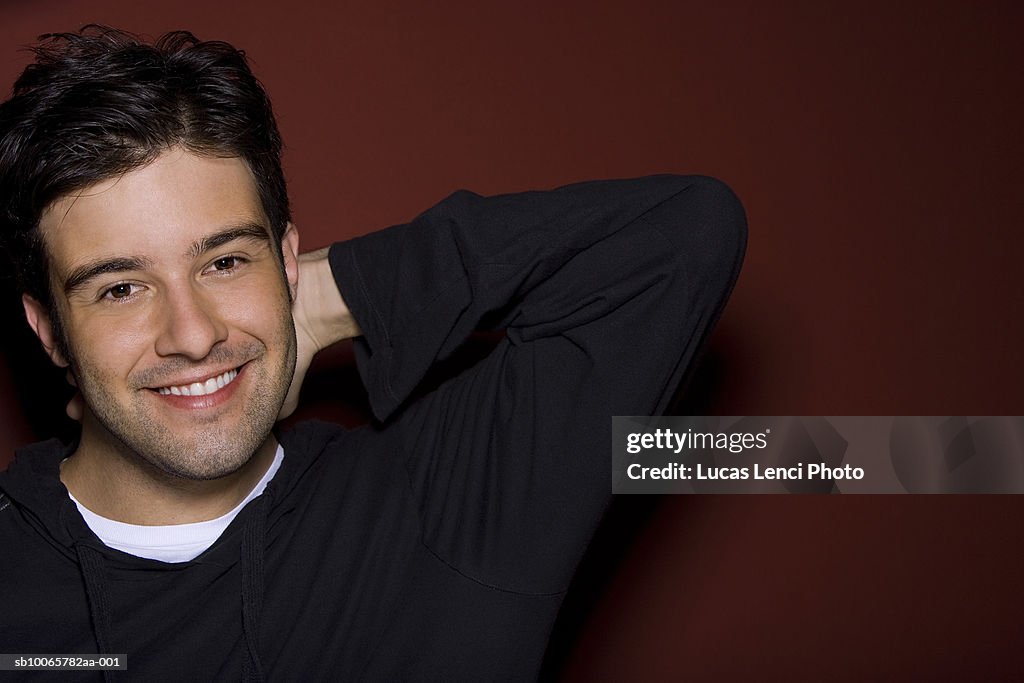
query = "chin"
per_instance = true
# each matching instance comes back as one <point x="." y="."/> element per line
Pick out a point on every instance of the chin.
<point x="201" y="449"/>
<point x="207" y="461"/>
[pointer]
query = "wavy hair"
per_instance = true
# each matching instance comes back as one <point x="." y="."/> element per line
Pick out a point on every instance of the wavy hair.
<point x="102" y="102"/>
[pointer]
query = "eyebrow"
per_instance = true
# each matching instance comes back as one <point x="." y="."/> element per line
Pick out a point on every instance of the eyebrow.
<point x="81" y="275"/>
<point x="242" y="231"/>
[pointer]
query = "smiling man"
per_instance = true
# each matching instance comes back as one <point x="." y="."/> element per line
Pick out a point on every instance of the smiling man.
<point x="175" y="312"/>
<point x="145" y="209"/>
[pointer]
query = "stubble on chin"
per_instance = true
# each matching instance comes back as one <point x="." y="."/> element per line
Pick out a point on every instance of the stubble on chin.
<point x="202" y="452"/>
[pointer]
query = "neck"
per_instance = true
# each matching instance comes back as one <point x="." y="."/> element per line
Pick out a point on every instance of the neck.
<point x="119" y="484"/>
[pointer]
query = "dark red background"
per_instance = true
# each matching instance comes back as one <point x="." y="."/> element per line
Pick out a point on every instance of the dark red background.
<point x="877" y="147"/>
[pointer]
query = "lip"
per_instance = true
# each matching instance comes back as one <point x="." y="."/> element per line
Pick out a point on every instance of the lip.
<point x="206" y="400"/>
<point x="185" y="381"/>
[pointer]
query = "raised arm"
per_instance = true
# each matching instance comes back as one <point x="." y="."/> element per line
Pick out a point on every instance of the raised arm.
<point x="605" y="290"/>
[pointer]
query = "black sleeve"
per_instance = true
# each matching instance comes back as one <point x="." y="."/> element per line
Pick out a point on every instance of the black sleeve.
<point x="605" y="289"/>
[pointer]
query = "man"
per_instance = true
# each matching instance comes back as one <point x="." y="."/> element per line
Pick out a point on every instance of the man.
<point x="147" y="214"/>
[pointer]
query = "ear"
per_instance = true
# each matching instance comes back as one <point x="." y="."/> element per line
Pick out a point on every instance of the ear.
<point x="39" y="321"/>
<point x="290" y="254"/>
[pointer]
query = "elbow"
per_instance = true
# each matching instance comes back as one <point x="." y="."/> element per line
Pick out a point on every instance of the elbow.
<point x="707" y="225"/>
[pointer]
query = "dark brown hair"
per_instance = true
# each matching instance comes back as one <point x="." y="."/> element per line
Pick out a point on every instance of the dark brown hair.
<point x="102" y="102"/>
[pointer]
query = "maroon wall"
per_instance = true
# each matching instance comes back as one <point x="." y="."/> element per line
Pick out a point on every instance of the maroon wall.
<point x="877" y="147"/>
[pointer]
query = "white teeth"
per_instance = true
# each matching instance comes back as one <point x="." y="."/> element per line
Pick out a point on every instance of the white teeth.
<point x="210" y="386"/>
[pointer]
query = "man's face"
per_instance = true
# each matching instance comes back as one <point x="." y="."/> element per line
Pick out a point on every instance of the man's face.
<point x="176" y="312"/>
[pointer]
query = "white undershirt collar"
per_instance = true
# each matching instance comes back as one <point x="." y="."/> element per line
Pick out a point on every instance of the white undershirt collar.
<point x="171" y="542"/>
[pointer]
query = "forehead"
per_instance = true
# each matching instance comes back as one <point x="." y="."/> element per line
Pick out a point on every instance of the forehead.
<point x="154" y="211"/>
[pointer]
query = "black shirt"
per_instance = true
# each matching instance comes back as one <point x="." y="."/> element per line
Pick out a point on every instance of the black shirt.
<point x="438" y="542"/>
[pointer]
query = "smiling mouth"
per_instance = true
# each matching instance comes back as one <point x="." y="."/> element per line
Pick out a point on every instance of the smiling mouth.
<point x="210" y="386"/>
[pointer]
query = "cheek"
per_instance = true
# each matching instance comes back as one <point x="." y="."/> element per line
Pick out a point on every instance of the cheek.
<point x="107" y="345"/>
<point x="259" y="311"/>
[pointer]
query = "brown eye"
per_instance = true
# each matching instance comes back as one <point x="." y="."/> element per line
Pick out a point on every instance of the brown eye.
<point x="120" y="291"/>
<point x="226" y="263"/>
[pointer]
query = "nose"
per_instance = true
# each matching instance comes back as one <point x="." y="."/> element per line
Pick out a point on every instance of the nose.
<point x="190" y="325"/>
